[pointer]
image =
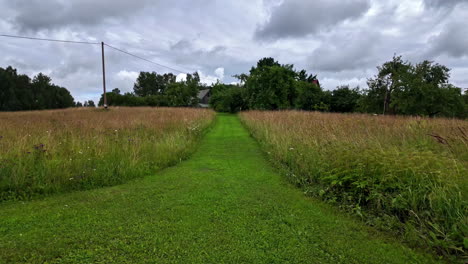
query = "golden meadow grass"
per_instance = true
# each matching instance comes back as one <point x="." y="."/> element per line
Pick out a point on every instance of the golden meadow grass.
<point x="405" y="174"/>
<point x="44" y="152"/>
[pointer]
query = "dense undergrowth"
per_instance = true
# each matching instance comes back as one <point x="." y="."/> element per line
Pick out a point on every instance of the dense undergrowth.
<point x="46" y="152"/>
<point x="405" y="175"/>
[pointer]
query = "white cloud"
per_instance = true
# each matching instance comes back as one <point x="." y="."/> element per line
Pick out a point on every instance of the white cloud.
<point x="124" y="80"/>
<point x="220" y="73"/>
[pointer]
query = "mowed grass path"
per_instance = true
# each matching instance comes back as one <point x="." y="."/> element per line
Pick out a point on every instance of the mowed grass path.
<point x="224" y="205"/>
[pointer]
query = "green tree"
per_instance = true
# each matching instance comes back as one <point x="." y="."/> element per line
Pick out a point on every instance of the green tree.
<point x="421" y="89"/>
<point x="89" y="103"/>
<point x="391" y="78"/>
<point x="18" y="92"/>
<point x="309" y="96"/>
<point x="344" y="99"/>
<point x="228" y="98"/>
<point x="183" y="93"/>
<point x="271" y="86"/>
<point x="151" y="83"/>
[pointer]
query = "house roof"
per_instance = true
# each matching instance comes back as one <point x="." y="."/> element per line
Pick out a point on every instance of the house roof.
<point x="203" y="93"/>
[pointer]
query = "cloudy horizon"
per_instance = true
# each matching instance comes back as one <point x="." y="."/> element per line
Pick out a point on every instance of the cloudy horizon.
<point x="343" y="41"/>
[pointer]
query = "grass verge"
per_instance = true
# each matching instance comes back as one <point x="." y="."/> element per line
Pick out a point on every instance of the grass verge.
<point x="405" y="175"/>
<point x="44" y="152"/>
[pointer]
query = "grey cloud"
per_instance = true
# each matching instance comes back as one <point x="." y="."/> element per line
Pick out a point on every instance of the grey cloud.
<point x="37" y="14"/>
<point x="298" y="18"/>
<point x="453" y="41"/>
<point x="185" y="52"/>
<point x="348" y="52"/>
<point x="443" y="3"/>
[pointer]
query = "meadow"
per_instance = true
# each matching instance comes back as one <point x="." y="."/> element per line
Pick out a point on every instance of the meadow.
<point x="45" y="152"/>
<point x="406" y="175"/>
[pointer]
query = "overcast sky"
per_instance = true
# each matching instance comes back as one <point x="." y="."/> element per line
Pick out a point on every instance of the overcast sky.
<point x="340" y="40"/>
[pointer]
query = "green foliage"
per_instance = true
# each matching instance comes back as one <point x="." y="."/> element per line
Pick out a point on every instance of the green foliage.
<point x="228" y="98"/>
<point x="421" y="89"/>
<point x="398" y="88"/>
<point x="309" y="96"/>
<point x="89" y="103"/>
<point x="344" y="99"/>
<point x="271" y="86"/>
<point x="151" y="83"/>
<point x="18" y="92"/>
<point x="152" y="89"/>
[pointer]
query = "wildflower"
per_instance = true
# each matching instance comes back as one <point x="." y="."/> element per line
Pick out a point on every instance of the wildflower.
<point x="71" y="179"/>
<point x="291" y="148"/>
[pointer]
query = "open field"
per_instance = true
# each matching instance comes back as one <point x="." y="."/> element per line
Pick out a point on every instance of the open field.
<point x="45" y="152"/>
<point x="408" y="175"/>
<point x="225" y="204"/>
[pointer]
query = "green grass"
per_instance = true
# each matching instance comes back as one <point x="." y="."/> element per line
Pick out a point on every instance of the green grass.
<point x="47" y="152"/>
<point x="224" y="205"/>
<point x="406" y="175"/>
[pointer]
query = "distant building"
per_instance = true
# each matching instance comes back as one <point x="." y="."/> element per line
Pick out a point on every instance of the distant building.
<point x="204" y="97"/>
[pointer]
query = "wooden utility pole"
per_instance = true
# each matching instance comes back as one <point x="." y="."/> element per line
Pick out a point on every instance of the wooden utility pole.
<point x="104" y="76"/>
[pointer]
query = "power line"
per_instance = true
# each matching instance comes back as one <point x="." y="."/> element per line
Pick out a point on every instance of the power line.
<point x="141" y="58"/>
<point x="94" y="43"/>
<point x="51" y="40"/>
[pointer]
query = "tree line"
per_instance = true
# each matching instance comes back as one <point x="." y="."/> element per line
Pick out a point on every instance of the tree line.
<point x="398" y="88"/>
<point x="153" y="89"/>
<point x="19" y="92"/>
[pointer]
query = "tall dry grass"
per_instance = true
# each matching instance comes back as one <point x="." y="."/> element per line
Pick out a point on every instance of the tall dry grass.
<point x="45" y="152"/>
<point x="408" y="175"/>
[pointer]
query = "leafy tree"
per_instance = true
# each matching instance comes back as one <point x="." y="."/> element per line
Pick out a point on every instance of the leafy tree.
<point x="271" y="86"/>
<point x="89" y="103"/>
<point x="390" y="79"/>
<point x="428" y="93"/>
<point x="151" y="83"/>
<point x="18" y="92"/>
<point x="228" y="98"/>
<point x="421" y="89"/>
<point x="152" y="89"/>
<point x="344" y="99"/>
<point x="181" y="94"/>
<point x="309" y="96"/>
